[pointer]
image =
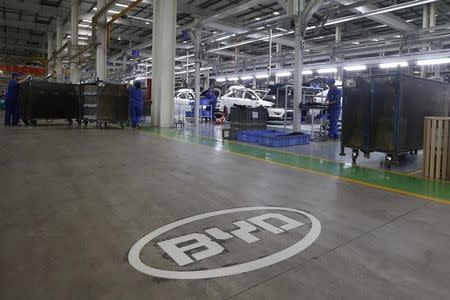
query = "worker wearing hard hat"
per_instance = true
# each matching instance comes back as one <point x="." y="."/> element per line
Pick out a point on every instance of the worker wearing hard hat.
<point x="334" y="108"/>
<point x="12" y="113"/>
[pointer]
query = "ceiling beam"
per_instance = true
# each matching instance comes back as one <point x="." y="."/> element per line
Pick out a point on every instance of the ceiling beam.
<point x="234" y="9"/>
<point x="388" y="19"/>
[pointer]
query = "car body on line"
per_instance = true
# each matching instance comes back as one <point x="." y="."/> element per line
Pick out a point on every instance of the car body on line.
<point x="240" y="95"/>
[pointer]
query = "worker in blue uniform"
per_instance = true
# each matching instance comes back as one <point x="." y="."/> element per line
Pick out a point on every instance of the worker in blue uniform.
<point x="12" y="113"/>
<point x="334" y="108"/>
<point x="211" y="96"/>
<point x="136" y="102"/>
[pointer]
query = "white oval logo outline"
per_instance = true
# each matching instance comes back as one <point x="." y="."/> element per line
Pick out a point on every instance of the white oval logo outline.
<point x="135" y="261"/>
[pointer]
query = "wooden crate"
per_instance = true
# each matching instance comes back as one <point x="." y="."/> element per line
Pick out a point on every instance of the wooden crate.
<point x="436" y="151"/>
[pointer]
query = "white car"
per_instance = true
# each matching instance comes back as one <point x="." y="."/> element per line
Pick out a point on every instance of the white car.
<point x="239" y="95"/>
<point x="184" y="96"/>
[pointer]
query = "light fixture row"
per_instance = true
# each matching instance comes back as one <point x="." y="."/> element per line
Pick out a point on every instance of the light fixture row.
<point x="390" y="65"/>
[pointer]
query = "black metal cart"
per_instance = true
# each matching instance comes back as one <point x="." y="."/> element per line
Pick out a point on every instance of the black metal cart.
<point x="385" y="113"/>
<point x="50" y="101"/>
<point x="105" y="103"/>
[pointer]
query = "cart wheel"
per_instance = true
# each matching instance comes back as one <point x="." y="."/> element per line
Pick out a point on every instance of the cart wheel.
<point x="70" y="122"/>
<point x="97" y="124"/>
<point x="355" y="155"/>
<point x="122" y="125"/>
<point x="79" y="122"/>
<point x="101" y="125"/>
<point x="105" y="125"/>
<point x="411" y="152"/>
<point x="33" y="122"/>
<point x="415" y="152"/>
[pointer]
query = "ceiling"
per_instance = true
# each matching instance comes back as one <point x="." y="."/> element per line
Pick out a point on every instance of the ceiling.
<point x="234" y="32"/>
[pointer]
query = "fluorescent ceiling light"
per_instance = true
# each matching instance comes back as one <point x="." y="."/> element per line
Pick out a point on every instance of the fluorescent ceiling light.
<point x="82" y="38"/>
<point x="206" y="68"/>
<point x="281" y="29"/>
<point x="394" y="65"/>
<point x="233" y="78"/>
<point x="247" y="77"/>
<point x="283" y="74"/>
<point x="261" y="76"/>
<point x="82" y="25"/>
<point x="355" y="68"/>
<point x="276" y="13"/>
<point x="326" y="71"/>
<point x="113" y="11"/>
<point x="307" y="72"/>
<point x="121" y="5"/>
<point x="225" y="37"/>
<point x="221" y="80"/>
<point x="88" y="21"/>
<point x="438" y="61"/>
<point x="257" y="18"/>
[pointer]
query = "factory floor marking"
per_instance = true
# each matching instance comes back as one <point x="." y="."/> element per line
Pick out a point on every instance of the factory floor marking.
<point x="437" y="191"/>
<point x="209" y="248"/>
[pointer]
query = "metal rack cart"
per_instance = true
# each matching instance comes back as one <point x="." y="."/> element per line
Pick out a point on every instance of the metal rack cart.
<point x="385" y="113"/>
<point x="105" y="103"/>
<point x="49" y="101"/>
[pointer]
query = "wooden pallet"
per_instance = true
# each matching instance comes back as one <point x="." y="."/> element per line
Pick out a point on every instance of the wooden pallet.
<point x="436" y="151"/>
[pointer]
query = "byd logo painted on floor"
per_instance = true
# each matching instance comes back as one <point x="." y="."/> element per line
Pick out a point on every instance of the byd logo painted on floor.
<point x="179" y="247"/>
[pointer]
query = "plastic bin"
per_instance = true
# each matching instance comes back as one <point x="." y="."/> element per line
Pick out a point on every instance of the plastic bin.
<point x="284" y="140"/>
<point x="251" y="136"/>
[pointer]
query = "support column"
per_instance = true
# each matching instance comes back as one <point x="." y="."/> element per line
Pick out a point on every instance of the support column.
<point x="425" y="24"/>
<point x="278" y="66"/>
<point x="206" y="85"/>
<point x="432" y="19"/>
<point x="163" y="81"/>
<point x="298" y="69"/>
<point x="124" y="65"/>
<point x="338" y="40"/>
<point x="198" y="61"/>
<point x="270" y="56"/>
<point x="187" y="69"/>
<point x="75" y="16"/>
<point x="50" y="50"/>
<point x="59" y="68"/>
<point x="101" y="39"/>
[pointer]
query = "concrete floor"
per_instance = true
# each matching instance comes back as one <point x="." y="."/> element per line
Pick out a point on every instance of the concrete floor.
<point x="73" y="203"/>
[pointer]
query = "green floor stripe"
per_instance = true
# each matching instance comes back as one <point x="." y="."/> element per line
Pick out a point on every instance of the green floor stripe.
<point x="439" y="190"/>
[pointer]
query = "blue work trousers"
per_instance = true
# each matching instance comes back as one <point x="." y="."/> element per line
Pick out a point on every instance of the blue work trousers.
<point x="12" y="112"/>
<point x="213" y="110"/>
<point x="333" y="118"/>
<point x="135" y="113"/>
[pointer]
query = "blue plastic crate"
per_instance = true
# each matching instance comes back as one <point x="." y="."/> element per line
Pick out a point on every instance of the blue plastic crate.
<point x="251" y="136"/>
<point x="274" y="140"/>
<point x="205" y="113"/>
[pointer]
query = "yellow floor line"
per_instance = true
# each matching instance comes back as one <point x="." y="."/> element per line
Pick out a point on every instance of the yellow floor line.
<point x="436" y="200"/>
